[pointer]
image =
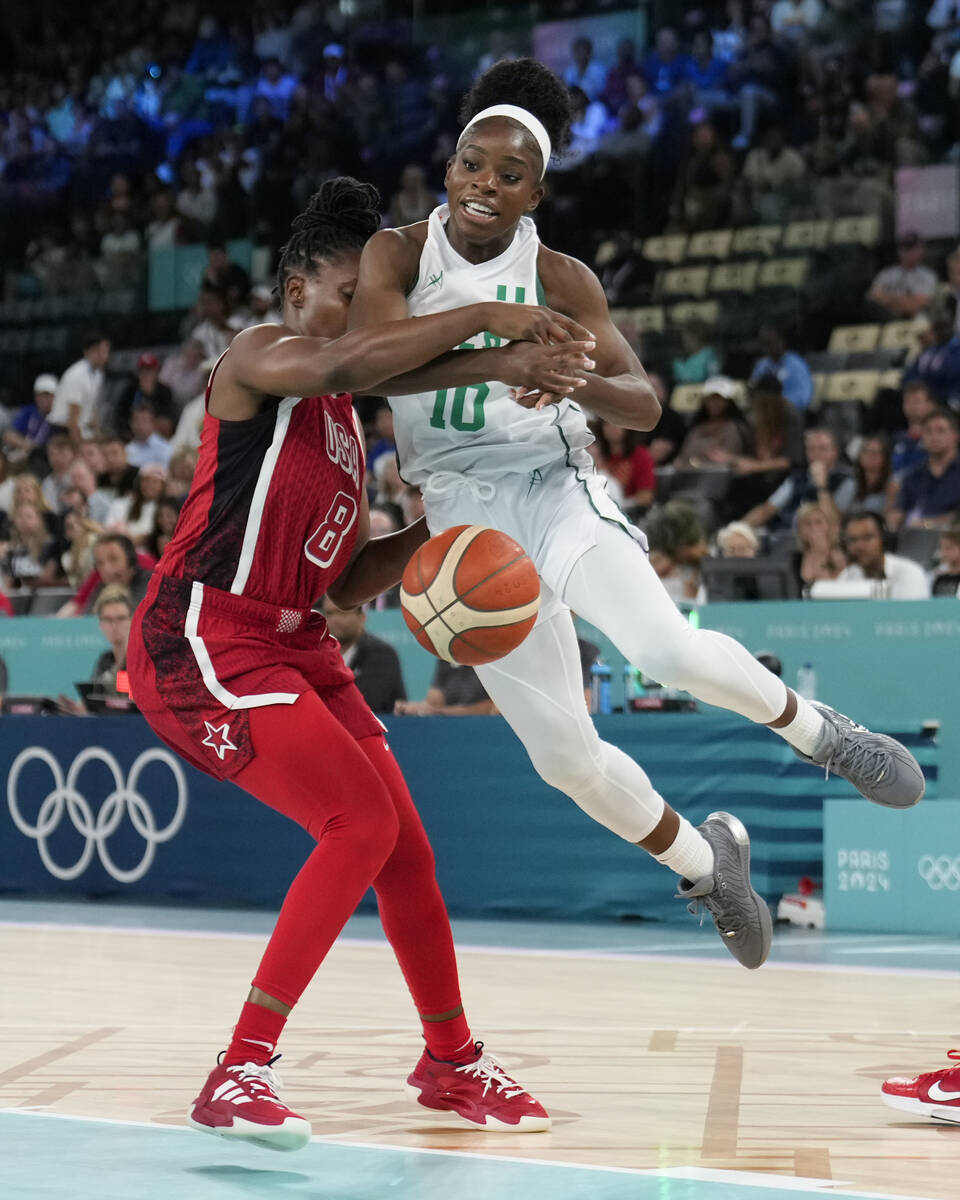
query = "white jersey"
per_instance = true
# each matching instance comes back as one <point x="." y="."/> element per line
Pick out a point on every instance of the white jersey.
<point x="480" y="429"/>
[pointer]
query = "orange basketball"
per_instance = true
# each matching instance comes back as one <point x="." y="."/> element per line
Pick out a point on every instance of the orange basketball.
<point x="470" y="595"/>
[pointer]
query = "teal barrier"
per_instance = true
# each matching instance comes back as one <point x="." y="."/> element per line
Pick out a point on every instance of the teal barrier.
<point x="893" y="663"/>
<point x="896" y="872"/>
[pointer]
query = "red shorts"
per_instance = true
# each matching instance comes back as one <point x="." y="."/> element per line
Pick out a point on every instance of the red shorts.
<point x="199" y="659"/>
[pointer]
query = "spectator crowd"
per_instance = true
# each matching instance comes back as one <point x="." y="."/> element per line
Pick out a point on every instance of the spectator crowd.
<point x="178" y="124"/>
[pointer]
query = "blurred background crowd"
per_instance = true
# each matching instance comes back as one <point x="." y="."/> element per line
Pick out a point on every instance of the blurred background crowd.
<point x="744" y="177"/>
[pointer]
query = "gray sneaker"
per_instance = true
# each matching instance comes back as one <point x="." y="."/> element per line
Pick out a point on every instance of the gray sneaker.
<point x="878" y="766"/>
<point x="740" y="915"/>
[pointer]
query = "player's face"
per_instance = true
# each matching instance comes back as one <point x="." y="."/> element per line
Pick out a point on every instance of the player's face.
<point x="317" y="303"/>
<point x="492" y="180"/>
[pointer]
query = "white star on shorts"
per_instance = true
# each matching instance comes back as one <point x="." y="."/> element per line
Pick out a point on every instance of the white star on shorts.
<point x="218" y="738"/>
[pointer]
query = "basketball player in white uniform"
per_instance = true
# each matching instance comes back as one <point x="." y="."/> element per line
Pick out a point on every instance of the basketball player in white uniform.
<point x="483" y="457"/>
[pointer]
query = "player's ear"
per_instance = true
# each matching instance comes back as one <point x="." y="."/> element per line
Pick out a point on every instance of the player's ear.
<point x="535" y="198"/>
<point x="446" y="176"/>
<point x="293" y="290"/>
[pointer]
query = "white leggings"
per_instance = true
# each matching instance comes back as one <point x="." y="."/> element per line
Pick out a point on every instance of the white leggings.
<point x="539" y="687"/>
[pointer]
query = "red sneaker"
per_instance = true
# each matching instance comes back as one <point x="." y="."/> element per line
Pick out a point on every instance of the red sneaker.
<point x="478" y="1091"/>
<point x="934" y="1094"/>
<point x="242" y="1102"/>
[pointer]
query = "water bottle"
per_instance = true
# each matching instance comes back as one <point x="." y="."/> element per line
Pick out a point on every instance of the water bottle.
<point x="600" y="687"/>
<point x="807" y="682"/>
<point x="632" y="686"/>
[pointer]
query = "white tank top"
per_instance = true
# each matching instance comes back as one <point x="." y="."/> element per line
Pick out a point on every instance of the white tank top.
<point x="479" y="429"/>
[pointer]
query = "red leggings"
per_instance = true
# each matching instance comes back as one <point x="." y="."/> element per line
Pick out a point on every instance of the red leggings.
<point x="352" y="798"/>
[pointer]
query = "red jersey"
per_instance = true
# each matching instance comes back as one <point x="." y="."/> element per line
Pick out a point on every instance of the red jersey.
<point x="272" y="513"/>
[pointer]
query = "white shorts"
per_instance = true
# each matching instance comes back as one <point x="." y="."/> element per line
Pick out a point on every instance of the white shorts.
<point x="554" y="513"/>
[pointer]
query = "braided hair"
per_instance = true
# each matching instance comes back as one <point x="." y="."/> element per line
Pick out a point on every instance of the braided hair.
<point x="338" y="219"/>
<point x="530" y="85"/>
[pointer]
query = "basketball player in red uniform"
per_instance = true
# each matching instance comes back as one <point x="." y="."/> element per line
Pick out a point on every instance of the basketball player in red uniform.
<point x="233" y="669"/>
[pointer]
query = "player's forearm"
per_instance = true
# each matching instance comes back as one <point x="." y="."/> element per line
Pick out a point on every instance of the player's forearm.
<point x="456" y="368"/>
<point x="624" y="400"/>
<point x="367" y="356"/>
<point x="379" y="566"/>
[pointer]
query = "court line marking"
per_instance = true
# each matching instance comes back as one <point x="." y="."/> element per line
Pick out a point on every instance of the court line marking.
<point x="504" y="951"/>
<point x="704" y="1174"/>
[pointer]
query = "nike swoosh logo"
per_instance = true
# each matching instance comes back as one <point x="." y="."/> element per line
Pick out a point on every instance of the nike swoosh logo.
<point x="936" y="1092"/>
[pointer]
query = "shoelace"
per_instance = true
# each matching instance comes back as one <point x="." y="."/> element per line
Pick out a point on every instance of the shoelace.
<point x="728" y="924"/>
<point x="257" y="1077"/>
<point x="855" y="756"/>
<point x="489" y="1072"/>
<point x="441" y="483"/>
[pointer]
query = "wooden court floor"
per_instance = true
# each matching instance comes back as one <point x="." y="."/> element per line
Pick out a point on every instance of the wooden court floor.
<point x="645" y="1063"/>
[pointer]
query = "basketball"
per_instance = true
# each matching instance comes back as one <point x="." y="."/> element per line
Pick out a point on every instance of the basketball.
<point x="470" y="595"/>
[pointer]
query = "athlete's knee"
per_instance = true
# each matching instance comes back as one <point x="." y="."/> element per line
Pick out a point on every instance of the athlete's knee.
<point x="411" y="860"/>
<point x="675" y="660"/>
<point x="569" y="763"/>
<point x="366" y="821"/>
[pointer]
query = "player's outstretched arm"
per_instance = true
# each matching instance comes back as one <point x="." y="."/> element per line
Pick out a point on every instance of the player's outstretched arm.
<point x="388" y="268"/>
<point x="266" y="361"/>
<point x="619" y="390"/>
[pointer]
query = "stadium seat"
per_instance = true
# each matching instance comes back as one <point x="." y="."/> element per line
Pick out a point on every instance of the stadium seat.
<point x="846" y="386"/>
<point x="919" y="545"/>
<point x="706" y="311"/>
<point x="819" y="384"/>
<point x="671" y="248"/>
<point x="683" y="281"/>
<point x="685" y="398"/>
<point x="891" y="378"/>
<point x="806" y="235"/>
<point x="757" y="240"/>
<point x="712" y="243"/>
<point x="650" y="319"/>
<point x="783" y="273"/>
<point x="734" y="277"/>
<point x="900" y="335"/>
<point x="846" y="339"/>
<point x="859" y="231"/>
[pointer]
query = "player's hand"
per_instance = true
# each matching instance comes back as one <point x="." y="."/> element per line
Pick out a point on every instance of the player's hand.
<point x="556" y="370"/>
<point x="533" y="323"/>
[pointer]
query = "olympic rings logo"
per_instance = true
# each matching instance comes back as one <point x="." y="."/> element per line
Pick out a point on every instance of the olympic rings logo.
<point x="940" y="872"/>
<point x="123" y="800"/>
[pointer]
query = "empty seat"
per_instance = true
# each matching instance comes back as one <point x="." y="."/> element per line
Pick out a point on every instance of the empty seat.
<point x="760" y="240"/>
<point x="859" y="231"/>
<point x="706" y="311"/>
<point x="683" y="281"/>
<point x="685" y="398"/>
<point x="734" y="277"/>
<point x="711" y="243"/>
<point x="670" y="248"/>
<point x="783" y="272"/>
<point x="901" y="335"/>
<point x="845" y="386"/>
<point x="848" y="338"/>
<point x="891" y="378"/>
<point x="649" y="319"/>
<point x="806" y="235"/>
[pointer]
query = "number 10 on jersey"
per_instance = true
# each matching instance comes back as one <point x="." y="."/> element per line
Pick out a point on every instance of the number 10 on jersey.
<point x="458" y="410"/>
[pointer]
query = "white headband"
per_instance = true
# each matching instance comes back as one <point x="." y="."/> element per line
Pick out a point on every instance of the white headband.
<point x="524" y="118"/>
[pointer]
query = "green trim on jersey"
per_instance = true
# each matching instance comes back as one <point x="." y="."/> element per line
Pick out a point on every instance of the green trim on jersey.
<point x="541" y="294"/>
<point x="583" y="483"/>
